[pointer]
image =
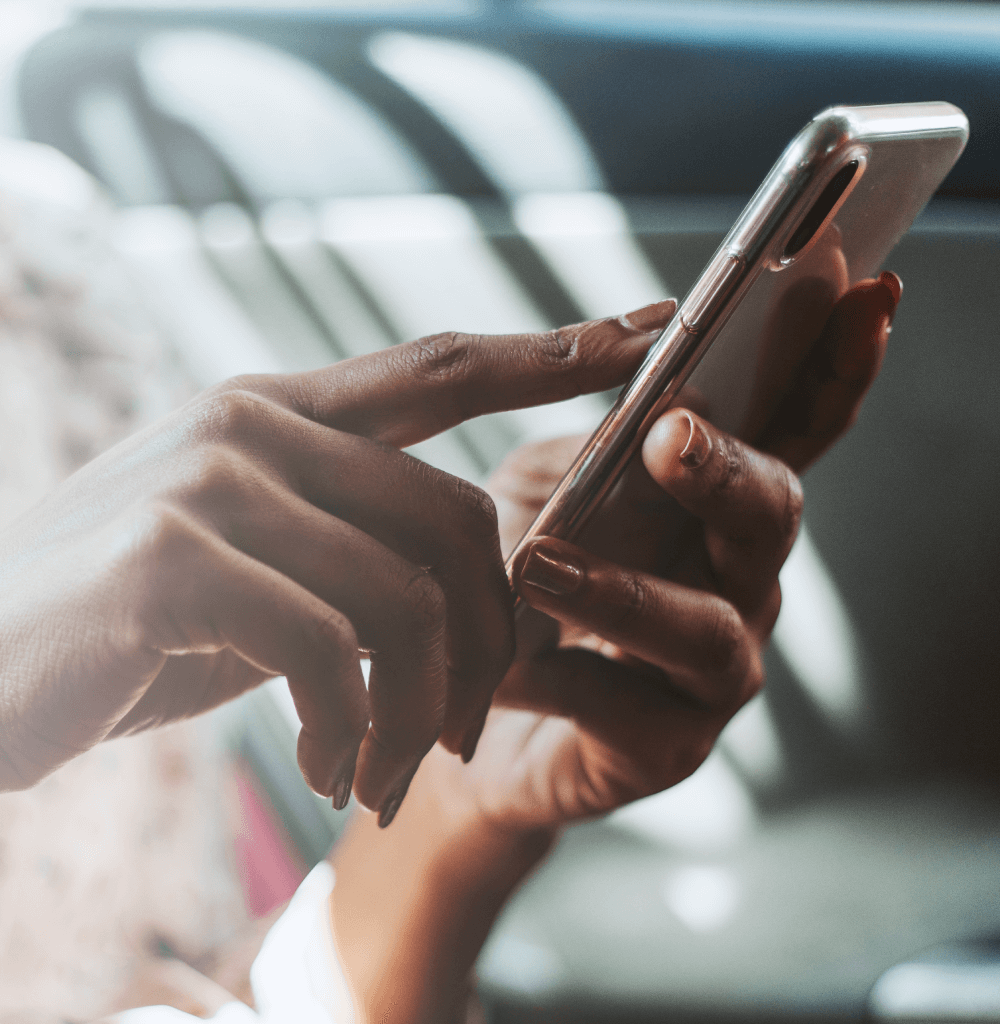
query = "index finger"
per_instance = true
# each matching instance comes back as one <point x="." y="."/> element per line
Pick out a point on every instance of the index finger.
<point x="828" y="392"/>
<point x="413" y="391"/>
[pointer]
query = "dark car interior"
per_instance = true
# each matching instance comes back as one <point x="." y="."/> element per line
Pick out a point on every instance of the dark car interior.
<point x="311" y="184"/>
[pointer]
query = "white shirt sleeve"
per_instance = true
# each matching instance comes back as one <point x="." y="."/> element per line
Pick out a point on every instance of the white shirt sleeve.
<point x="296" y="977"/>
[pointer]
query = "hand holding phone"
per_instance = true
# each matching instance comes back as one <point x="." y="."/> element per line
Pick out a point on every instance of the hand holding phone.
<point x="836" y="202"/>
<point x="638" y="646"/>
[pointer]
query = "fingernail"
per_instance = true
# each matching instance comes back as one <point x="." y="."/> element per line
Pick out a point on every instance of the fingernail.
<point x="698" y="447"/>
<point x="894" y="285"/>
<point x="551" y="572"/>
<point x="392" y="803"/>
<point x="471" y="740"/>
<point x="854" y="357"/>
<point x="342" y="789"/>
<point x="650" y="318"/>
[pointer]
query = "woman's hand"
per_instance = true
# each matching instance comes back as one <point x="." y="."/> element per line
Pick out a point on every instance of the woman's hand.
<point x="272" y="527"/>
<point x="628" y="666"/>
<point x="621" y="687"/>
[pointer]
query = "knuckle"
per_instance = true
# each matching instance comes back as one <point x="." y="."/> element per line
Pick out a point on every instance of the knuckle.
<point x="779" y="517"/>
<point x="338" y="635"/>
<point x="753" y="680"/>
<point x="725" y="638"/>
<point x="477" y="510"/>
<point x="560" y="347"/>
<point x="425" y="606"/>
<point x="166" y="538"/>
<point x="214" y="471"/>
<point x="732" y="465"/>
<point x="232" y="412"/>
<point x="241" y="382"/>
<point x="338" y="632"/>
<point x="166" y="561"/>
<point x="439" y="356"/>
<point x="561" y="350"/>
<point x="632" y="601"/>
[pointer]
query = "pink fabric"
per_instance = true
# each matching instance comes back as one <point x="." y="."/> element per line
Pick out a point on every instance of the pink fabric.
<point x="269" y="870"/>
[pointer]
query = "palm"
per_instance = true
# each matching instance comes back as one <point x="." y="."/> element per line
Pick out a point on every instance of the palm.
<point x="539" y="769"/>
<point x="533" y="770"/>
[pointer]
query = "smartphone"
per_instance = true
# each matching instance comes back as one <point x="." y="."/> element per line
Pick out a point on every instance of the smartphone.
<point x="843" y="193"/>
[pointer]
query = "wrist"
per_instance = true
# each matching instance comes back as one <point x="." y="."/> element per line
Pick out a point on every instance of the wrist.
<point x="414" y="903"/>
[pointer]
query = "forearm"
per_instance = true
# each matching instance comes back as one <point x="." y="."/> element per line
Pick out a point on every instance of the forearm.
<point x="414" y="903"/>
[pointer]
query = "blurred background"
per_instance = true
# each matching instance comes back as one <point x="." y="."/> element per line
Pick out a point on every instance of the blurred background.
<point x="289" y="185"/>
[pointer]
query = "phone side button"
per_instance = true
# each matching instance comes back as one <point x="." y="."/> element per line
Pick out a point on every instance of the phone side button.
<point x="712" y="291"/>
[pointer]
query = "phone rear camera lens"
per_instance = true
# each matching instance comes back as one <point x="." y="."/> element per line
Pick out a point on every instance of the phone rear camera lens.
<point x="821" y="209"/>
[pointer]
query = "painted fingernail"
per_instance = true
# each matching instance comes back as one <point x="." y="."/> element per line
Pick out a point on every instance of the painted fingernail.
<point x="342" y="789"/>
<point x="650" y="318"/>
<point x="698" y="447"/>
<point x="471" y="740"/>
<point x="856" y="355"/>
<point x="391" y="804"/>
<point x="894" y="285"/>
<point x="549" y="571"/>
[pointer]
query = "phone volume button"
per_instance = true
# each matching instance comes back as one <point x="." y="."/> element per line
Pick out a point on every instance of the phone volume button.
<point x="712" y="291"/>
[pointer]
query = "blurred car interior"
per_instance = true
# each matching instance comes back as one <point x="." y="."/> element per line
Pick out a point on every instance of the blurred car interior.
<point x="300" y="185"/>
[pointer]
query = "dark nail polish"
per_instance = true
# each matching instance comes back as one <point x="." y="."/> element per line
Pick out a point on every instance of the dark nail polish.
<point x="894" y="286"/>
<point x="698" y="447"/>
<point x="471" y="740"/>
<point x="390" y="806"/>
<point x="342" y="790"/>
<point x="551" y="572"/>
<point x="856" y="355"/>
<point x="653" y="317"/>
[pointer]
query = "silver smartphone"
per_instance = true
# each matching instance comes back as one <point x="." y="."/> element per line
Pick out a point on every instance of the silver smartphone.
<point x="839" y="198"/>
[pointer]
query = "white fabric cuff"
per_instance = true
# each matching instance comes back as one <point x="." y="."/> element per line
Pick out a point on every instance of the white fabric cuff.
<point x="296" y="978"/>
